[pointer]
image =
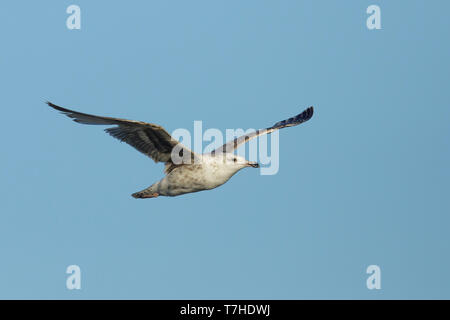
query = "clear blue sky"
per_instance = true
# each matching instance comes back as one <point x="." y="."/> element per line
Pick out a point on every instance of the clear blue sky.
<point x="366" y="181"/>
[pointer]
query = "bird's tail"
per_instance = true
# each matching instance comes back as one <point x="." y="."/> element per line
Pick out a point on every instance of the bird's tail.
<point x="146" y="193"/>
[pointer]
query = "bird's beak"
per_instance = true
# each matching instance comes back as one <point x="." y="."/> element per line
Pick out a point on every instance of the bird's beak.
<point x="253" y="164"/>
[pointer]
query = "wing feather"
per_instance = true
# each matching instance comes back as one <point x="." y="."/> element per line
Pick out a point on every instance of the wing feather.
<point x="291" y="122"/>
<point x="148" y="138"/>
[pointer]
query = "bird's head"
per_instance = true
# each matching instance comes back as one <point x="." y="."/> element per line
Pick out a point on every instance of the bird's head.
<point x="236" y="162"/>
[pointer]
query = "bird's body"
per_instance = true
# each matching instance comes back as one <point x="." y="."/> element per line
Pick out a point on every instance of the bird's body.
<point x="211" y="172"/>
<point x="186" y="171"/>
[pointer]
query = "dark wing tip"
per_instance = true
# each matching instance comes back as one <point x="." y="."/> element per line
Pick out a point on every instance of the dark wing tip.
<point x="50" y="104"/>
<point x="307" y="114"/>
<point x="71" y="114"/>
<point x="294" y="121"/>
<point x="54" y="106"/>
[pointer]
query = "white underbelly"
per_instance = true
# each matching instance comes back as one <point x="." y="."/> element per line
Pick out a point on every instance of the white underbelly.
<point x="192" y="178"/>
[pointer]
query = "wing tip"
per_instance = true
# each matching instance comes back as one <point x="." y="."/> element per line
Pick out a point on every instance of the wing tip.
<point x="54" y="106"/>
<point x="308" y="113"/>
<point x="304" y="116"/>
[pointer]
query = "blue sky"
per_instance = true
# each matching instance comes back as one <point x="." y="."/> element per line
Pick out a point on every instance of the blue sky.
<point x="364" y="182"/>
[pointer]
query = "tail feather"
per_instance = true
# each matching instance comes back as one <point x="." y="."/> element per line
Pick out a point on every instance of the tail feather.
<point x="144" y="194"/>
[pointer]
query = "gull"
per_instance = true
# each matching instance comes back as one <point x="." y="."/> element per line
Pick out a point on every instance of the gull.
<point x="185" y="170"/>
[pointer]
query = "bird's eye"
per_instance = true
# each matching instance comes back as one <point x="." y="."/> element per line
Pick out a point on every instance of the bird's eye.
<point x="234" y="159"/>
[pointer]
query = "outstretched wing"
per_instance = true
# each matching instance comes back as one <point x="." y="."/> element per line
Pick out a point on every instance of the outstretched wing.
<point x="150" y="139"/>
<point x="291" y="122"/>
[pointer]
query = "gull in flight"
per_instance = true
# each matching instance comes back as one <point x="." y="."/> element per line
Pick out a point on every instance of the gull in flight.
<point x="193" y="172"/>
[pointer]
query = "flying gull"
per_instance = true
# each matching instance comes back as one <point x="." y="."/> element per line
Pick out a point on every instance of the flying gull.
<point x="193" y="172"/>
